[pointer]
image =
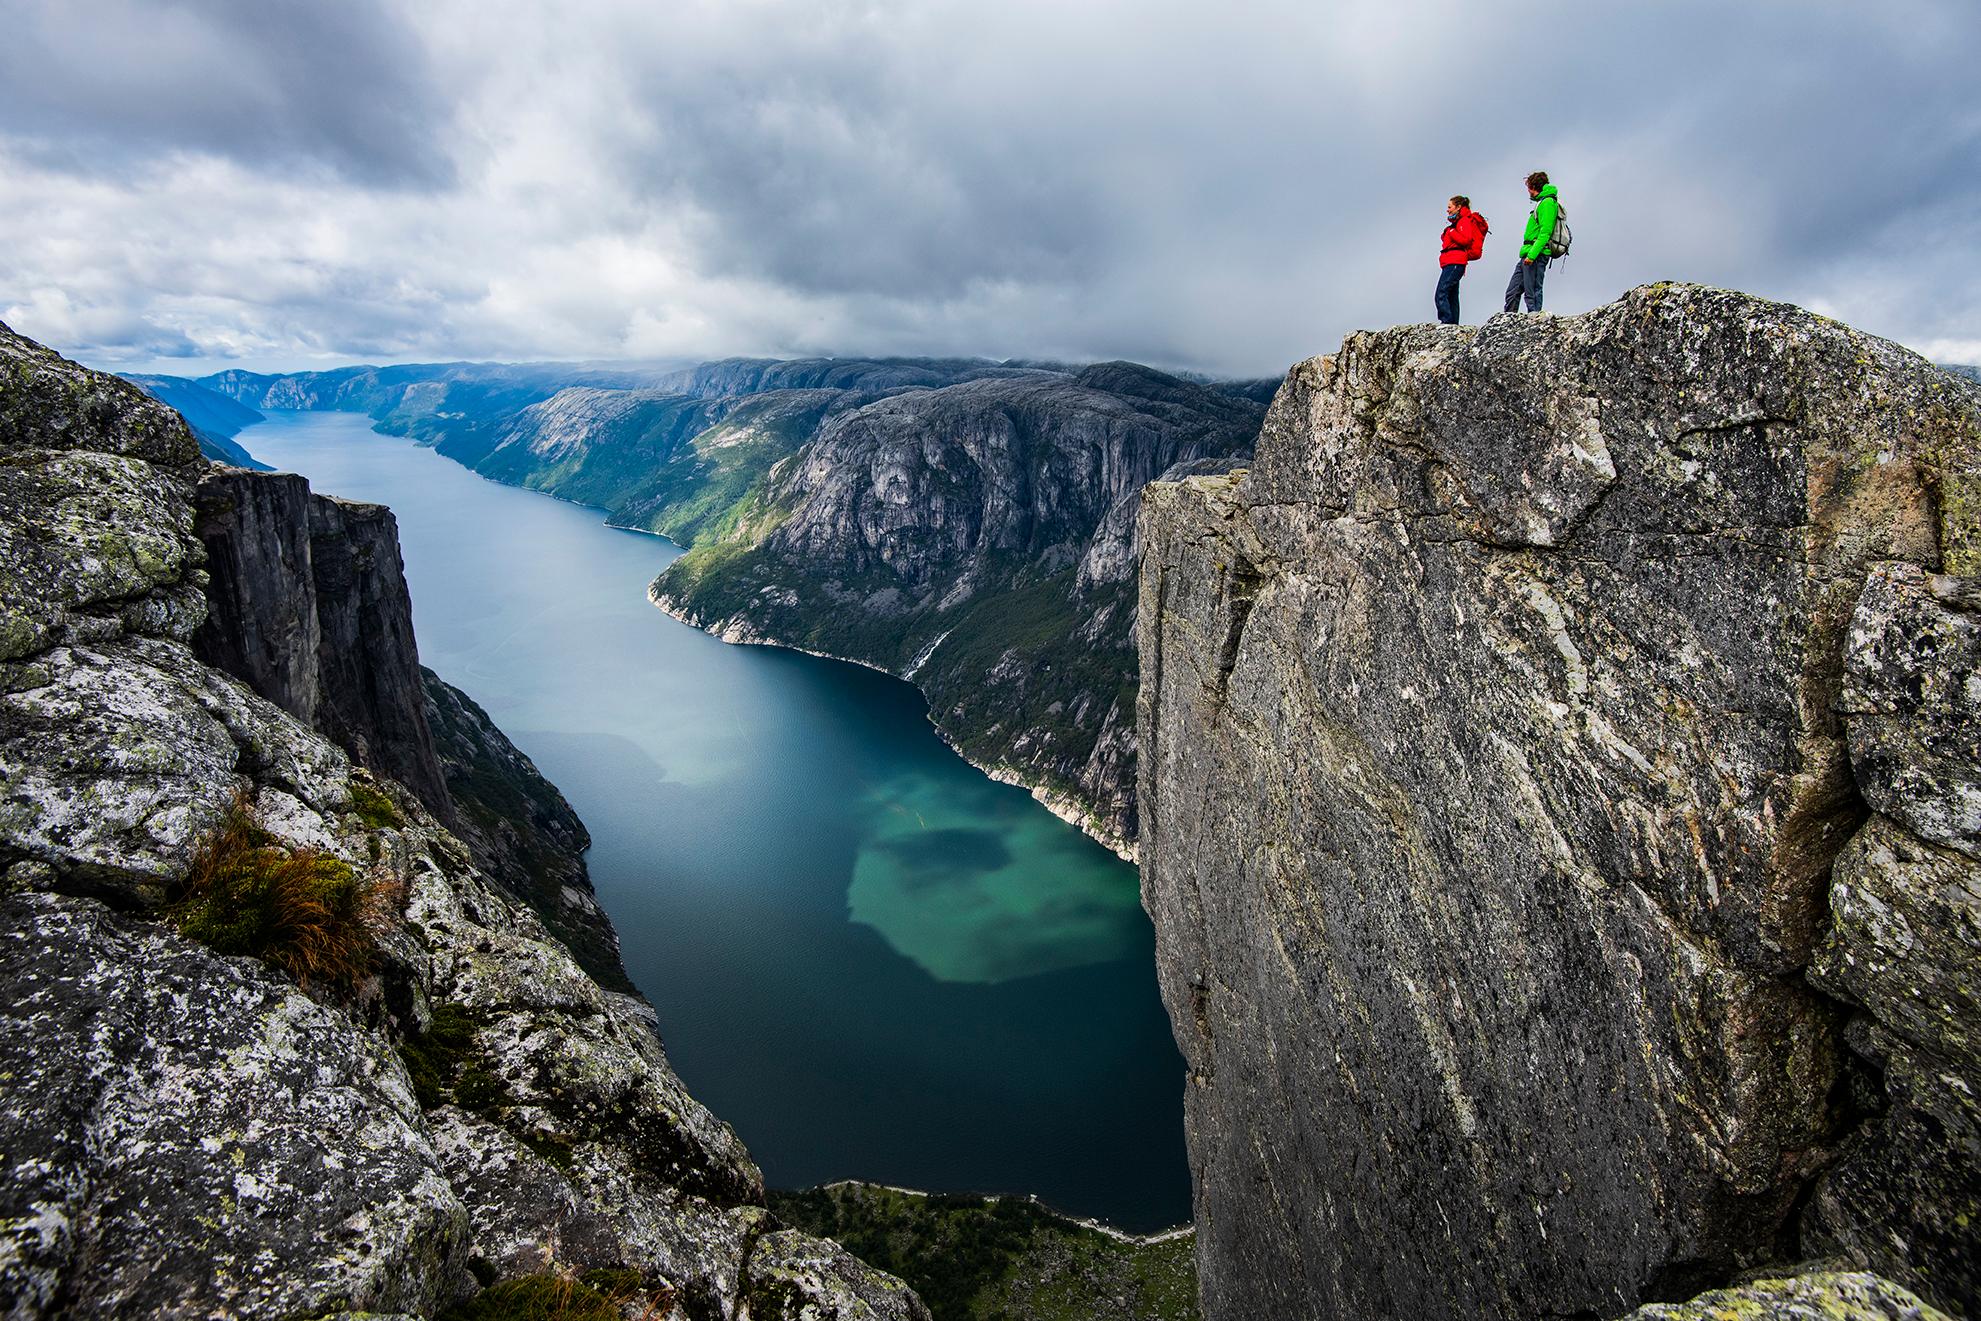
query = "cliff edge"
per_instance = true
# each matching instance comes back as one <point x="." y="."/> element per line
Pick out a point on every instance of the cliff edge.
<point x="186" y="1131"/>
<point x="1560" y="795"/>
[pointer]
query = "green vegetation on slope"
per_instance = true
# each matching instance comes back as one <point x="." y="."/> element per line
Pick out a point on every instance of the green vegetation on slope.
<point x="597" y="1295"/>
<point x="1000" y="1259"/>
<point x="706" y="483"/>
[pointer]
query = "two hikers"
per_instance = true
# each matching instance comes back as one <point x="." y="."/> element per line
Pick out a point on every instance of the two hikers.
<point x="1537" y="245"/>
<point x="1464" y="241"/>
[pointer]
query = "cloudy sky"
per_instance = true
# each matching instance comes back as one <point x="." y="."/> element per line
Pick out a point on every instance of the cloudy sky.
<point x="290" y="183"/>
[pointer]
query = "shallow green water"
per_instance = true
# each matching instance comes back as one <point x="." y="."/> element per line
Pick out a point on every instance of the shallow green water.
<point x="978" y="886"/>
<point x="869" y="958"/>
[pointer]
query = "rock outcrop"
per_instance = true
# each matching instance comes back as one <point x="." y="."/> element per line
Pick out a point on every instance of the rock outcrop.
<point x="976" y="540"/>
<point x="309" y="607"/>
<point x="1558" y="777"/>
<point x="311" y="610"/>
<point x="1904" y="943"/>
<point x="187" y="1133"/>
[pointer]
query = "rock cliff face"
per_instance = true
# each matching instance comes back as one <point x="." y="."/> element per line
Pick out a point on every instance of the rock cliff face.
<point x="1558" y="787"/>
<point x="311" y="609"/>
<point x="520" y="829"/>
<point x="976" y="539"/>
<point x="186" y="1133"/>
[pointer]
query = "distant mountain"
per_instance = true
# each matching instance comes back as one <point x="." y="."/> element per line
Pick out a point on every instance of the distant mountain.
<point x="964" y="523"/>
<point x="1962" y="369"/>
<point x="734" y="376"/>
<point x="215" y="418"/>
<point x="429" y="401"/>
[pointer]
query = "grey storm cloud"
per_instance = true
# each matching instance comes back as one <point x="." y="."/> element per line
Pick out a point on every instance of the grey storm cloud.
<point x="1227" y="187"/>
<point x="276" y="83"/>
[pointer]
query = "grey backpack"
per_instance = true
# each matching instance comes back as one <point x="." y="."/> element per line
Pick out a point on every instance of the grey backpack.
<point x="1558" y="241"/>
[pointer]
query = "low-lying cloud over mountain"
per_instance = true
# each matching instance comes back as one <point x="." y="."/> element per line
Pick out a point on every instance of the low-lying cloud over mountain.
<point x="1220" y="187"/>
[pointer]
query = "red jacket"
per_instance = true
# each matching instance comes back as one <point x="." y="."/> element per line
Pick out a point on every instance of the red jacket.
<point x="1464" y="239"/>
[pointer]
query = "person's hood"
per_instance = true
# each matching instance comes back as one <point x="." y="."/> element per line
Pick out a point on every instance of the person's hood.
<point x="1547" y="190"/>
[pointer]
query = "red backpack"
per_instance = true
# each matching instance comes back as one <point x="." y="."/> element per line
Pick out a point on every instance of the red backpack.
<point x="1479" y="241"/>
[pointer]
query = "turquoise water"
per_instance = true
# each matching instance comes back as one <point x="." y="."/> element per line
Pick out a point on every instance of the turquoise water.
<point x="872" y="960"/>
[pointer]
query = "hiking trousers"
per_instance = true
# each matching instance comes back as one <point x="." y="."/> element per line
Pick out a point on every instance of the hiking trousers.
<point x="1447" y="300"/>
<point x="1527" y="277"/>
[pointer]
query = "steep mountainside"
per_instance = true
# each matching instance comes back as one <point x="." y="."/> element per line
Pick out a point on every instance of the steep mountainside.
<point x="1561" y="801"/>
<point x="669" y="463"/>
<point x="976" y="539"/>
<point x="520" y="829"/>
<point x="273" y="1041"/>
<point x="215" y="418"/>
<point x="872" y="376"/>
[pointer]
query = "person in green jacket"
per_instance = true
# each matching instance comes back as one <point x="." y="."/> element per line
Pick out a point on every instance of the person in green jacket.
<point x="1532" y="267"/>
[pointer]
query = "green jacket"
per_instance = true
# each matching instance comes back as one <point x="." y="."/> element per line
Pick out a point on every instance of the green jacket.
<point x="1540" y="225"/>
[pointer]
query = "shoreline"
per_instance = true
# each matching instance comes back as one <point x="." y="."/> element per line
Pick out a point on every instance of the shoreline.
<point x="738" y="633"/>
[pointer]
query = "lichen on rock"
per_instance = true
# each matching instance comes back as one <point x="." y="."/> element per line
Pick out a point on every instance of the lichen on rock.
<point x="189" y="1133"/>
<point x="1817" y="1296"/>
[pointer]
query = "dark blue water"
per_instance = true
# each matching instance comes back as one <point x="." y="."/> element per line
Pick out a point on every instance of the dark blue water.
<point x="870" y="959"/>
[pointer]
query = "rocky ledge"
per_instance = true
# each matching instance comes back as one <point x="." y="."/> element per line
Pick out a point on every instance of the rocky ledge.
<point x="191" y="1133"/>
<point x="1560" y="797"/>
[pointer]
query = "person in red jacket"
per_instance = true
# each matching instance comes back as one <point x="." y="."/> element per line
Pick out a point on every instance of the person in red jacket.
<point x="1464" y="241"/>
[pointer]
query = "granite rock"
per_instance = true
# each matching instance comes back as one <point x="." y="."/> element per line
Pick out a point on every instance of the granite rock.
<point x="1904" y="945"/>
<point x="1492" y="773"/>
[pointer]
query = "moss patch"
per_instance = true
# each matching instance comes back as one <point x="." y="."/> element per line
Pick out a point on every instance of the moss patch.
<point x="437" y="1057"/>
<point x="599" y="1295"/>
<point x="1001" y="1259"/>
<point x="373" y="808"/>
<point x="446" y="1070"/>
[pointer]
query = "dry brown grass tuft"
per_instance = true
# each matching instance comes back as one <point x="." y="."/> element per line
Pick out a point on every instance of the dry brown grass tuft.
<point x="313" y="916"/>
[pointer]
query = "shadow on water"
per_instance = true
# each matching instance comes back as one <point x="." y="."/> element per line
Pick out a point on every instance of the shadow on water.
<point x="872" y="960"/>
